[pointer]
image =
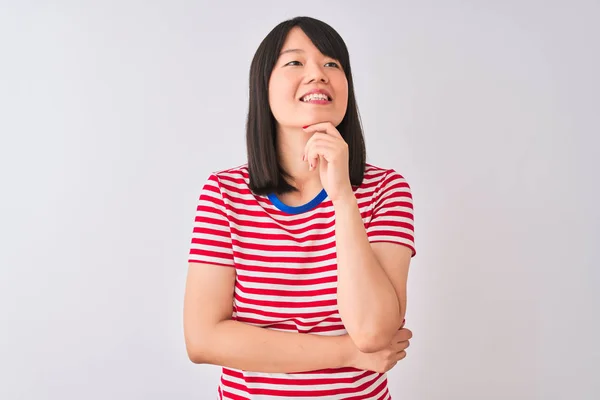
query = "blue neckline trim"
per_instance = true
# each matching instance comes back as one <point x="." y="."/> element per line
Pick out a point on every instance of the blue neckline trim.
<point x="298" y="209"/>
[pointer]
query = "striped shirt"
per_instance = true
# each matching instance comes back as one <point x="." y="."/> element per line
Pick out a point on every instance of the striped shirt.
<point x="286" y="271"/>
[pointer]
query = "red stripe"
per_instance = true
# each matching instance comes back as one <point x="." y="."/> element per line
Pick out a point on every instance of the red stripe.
<point x="245" y="244"/>
<point x="279" y="270"/>
<point x="288" y="318"/>
<point x="210" y="232"/>
<point x="213" y="243"/>
<point x="232" y="396"/>
<point x="377" y="232"/>
<point x="235" y="385"/>
<point x="255" y="234"/>
<point x="319" y="329"/>
<point x="283" y="316"/>
<point x="296" y="304"/>
<point x="290" y="293"/>
<point x="307" y="381"/>
<point x="211" y="254"/>
<point x="384" y="394"/>
<point x="281" y="281"/>
<point x="344" y="370"/>
<point x="282" y="260"/>
<point x="207" y="221"/>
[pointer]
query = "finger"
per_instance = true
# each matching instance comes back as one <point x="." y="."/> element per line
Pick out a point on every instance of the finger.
<point x="318" y="137"/>
<point x="399" y="346"/>
<point x="317" y="150"/>
<point x="403" y="334"/>
<point x="317" y="156"/>
<point x="402" y="346"/>
<point x="326" y="127"/>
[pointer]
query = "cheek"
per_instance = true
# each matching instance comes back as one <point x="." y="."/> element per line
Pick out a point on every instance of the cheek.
<point x="340" y="85"/>
<point x="281" y="96"/>
<point x="343" y="97"/>
<point x="283" y="84"/>
<point x="275" y="90"/>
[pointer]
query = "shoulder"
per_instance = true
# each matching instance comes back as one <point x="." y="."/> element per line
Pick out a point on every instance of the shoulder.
<point x="237" y="175"/>
<point x="378" y="176"/>
<point x="231" y="184"/>
<point x="239" y="170"/>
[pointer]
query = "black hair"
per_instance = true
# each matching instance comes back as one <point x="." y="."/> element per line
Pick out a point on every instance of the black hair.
<point x="266" y="173"/>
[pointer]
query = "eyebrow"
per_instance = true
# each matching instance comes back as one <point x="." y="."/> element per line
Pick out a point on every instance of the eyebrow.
<point x="291" y="51"/>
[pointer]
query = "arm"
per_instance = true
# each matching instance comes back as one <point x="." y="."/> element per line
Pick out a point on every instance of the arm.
<point x="367" y="300"/>
<point x="211" y="336"/>
<point x="372" y="276"/>
<point x="371" y="292"/>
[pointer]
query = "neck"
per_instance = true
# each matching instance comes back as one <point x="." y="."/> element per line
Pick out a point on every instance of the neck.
<point x="290" y="149"/>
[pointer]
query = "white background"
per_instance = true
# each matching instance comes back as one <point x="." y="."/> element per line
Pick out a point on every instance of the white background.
<point x="113" y="113"/>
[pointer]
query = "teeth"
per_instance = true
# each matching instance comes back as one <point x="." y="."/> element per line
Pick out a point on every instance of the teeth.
<point x="314" y="96"/>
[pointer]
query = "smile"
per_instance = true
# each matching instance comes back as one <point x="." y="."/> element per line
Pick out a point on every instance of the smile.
<point x="316" y="98"/>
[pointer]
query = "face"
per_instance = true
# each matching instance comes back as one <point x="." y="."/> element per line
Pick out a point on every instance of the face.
<point x="301" y="69"/>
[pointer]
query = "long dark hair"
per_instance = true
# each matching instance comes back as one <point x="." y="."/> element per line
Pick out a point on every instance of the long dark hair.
<point x="266" y="173"/>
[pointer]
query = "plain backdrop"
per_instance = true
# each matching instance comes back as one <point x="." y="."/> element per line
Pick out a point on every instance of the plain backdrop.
<point x="113" y="114"/>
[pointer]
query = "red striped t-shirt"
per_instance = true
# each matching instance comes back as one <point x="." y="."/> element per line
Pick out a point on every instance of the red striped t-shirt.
<point x="286" y="271"/>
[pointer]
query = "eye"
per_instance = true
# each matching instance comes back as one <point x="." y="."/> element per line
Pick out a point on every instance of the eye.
<point x="335" y="65"/>
<point x="292" y="63"/>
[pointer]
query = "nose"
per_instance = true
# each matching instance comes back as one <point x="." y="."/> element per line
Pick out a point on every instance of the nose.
<point x="315" y="73"/>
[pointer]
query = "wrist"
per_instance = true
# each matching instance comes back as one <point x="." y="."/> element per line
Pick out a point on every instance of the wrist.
<point x="349" y="353"/>
<point x="346" y="199"/>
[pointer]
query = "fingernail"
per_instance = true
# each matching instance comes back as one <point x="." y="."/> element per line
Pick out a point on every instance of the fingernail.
<point x="304" y="127"/>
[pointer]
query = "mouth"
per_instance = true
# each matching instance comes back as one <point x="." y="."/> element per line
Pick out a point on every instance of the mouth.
<point x="316" y="99"/>
<point x="317" y="96"/>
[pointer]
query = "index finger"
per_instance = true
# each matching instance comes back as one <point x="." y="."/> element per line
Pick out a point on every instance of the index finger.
<point x="326" y="127"/>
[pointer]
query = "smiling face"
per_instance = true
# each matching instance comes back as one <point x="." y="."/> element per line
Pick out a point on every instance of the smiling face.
<point x="302" y="69"/>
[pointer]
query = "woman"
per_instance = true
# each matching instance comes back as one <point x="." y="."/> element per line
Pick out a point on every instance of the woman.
<point x="299" y="258"/>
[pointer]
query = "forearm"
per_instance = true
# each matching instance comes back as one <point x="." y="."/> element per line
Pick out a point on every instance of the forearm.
<point x="237" y="345"/>
<point x="367" y="301"/>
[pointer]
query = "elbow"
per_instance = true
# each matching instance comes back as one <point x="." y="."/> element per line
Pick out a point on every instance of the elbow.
<point x="197" y="349"/>
<point x="199" y="344"/>
<point x="195" y="357"/>
<point x="196" y="354"/>
<point x="372" y="342"/>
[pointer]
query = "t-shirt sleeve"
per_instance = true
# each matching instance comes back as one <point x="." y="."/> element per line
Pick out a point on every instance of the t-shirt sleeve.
<point x="211" y="236"/>
<point x="393" y="219"/>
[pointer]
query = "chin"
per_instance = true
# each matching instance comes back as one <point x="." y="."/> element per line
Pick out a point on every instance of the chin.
<point x="316" y="118"/>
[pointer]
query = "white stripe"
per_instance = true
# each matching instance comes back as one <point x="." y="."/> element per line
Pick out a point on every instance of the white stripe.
<point x="289" y="287"/>
<point x="297" y="277"/>
<point x="296" y="253"/>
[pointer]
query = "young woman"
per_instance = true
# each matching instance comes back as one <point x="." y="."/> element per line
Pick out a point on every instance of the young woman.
<point x="299" y="258"/>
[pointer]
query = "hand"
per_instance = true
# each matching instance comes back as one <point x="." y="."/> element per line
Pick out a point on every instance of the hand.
<point x="328" y="151"/>
<point x="384" y="360"/>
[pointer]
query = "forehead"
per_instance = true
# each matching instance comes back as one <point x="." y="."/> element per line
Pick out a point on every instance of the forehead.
<point x="297" y="39"/>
